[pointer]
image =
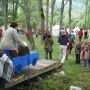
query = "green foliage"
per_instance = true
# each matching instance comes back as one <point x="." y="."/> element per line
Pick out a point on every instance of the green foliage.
<point x="21" y="17"/>
<point x="77" y="17"/>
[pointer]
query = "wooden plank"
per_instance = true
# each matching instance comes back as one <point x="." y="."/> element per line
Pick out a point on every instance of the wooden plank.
<point x="42" y="66"/>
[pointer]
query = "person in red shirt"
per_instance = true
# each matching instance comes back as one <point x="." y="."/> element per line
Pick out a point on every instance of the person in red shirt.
<point x="70" y="45"/>
<point x="27" y="34"/>
<point x="80" y="34"/>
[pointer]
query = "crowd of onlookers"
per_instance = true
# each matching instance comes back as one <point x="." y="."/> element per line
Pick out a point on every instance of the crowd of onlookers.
<point x="85" y="54"/>
<point x="66" y="41"/>
<point x="82" y="49"/>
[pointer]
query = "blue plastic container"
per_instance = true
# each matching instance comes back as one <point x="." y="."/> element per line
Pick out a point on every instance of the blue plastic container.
<point x="18" y="64"/>
<point x="34" y="56"/>
<point x="23" y="61"/>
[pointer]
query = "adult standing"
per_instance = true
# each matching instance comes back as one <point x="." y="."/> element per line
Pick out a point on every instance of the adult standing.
<point x="78" y="49"/>
<point x="80" y="34"/>
<point x="48" y="43"/>
<point x="63" y="41"/>
<point x="27" y="34"/>
<point x="10" y="40"/>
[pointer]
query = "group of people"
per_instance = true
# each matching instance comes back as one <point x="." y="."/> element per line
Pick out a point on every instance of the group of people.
<point x="10" y="41"/>
<point x="82" y="50"/>
<point x="65" y="43"/>
<point x="83" y="53"/>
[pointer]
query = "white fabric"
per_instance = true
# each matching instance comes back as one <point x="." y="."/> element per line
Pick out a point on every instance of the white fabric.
<point x="1" y="66"/>
<point x="6" y="67"/>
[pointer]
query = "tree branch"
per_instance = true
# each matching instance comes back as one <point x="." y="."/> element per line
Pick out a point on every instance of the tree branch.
<point x="66" y="2"/>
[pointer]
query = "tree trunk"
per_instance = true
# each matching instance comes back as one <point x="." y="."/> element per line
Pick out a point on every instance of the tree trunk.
<point x="70" y="8"/>
<point x="86" y="11"/>
<point x="52" y="9"/>
<point x="15" y="9"/>
<point x="61" y="15"/>
<point x="28" y="23"/>
<point x="88" y="16"/>
<point x="5" y="12"/>
<point x="42" y="19"/>
<point x="47" y="10"/>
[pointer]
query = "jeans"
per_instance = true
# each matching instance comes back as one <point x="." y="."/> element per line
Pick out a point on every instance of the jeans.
<point x="63" y="52"/>
<point x="48" y="52"/>
<point x="77" y="58"/>
<point x="85" y="63"/>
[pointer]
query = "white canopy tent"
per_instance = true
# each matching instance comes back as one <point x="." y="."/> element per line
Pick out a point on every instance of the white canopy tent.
<point x="55" y="30"/>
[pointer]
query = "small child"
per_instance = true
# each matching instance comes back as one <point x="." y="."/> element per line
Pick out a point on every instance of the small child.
<point x="85" y="56"/>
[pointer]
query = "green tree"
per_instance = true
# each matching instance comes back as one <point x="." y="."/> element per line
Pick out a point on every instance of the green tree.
<point x="42" y="19"/>
<point x="61" y="14"/>
<point x="70" y="7"/>
<point x="5" y="12"/>
<point x="52" y="11"/>
<point x="28" y="23"/>
<point x="47" y="11"/>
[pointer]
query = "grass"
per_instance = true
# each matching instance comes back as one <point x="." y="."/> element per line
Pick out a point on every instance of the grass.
<point x="75" y="75"/>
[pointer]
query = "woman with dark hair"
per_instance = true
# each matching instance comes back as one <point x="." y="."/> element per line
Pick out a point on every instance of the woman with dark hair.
<point x="14" y="25"/>
<point x="48" y="43"/>
<point x="11" y="41"/>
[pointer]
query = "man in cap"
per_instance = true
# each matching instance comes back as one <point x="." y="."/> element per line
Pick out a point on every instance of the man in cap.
<point x="63" y="41"/>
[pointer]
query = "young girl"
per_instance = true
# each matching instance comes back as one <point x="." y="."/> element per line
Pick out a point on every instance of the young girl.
<point x="85" y="56"/>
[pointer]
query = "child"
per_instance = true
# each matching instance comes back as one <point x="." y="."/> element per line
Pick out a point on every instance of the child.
<point x="85" y="56"/>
